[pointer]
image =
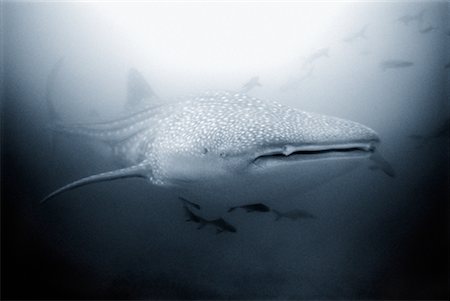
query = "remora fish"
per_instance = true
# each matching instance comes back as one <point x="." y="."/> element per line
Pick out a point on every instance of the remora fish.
<point x="395" y="64"/>
<point x="220" y="224"/>
<point x="217" y="142"/>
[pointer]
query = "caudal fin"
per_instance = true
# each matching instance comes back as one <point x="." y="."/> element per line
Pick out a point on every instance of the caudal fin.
<point x="231" y="209"/>
<point x="138" y="171"/>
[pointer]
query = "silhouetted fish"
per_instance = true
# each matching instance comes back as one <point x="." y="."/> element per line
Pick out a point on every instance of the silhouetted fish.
<point x="220" y="224"/>
<point x="361" y="34"/>
<point x="292" y="214"/>
<point x="447" y="66"/>
<point x="323" y="52"/>
<point x="252" y="207"/>
<point x="395" y="64"/>
<point x="252" y="83"/>
<point x="192" y="217"/>
<point x="406" y="19"/>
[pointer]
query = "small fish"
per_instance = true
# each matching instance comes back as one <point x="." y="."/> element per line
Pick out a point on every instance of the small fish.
<point x="395" y="64"/>
<point x="427" y="29"/>
<point x="323" y="52"/>
<point x="361" y="34"/>
<point x="220" y="224"/>
<point x="292" y="214"/>
<point x="447" y="66"/>
<point x="406" y="19"/>
<point x="252" y="208"/>
<point x="252" y="83"/>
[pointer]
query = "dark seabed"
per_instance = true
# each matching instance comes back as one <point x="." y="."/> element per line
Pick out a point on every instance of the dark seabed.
<point x="369" y="236"/>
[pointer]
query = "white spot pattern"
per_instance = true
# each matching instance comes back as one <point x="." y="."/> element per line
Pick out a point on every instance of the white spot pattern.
<point x="223" y="123"/>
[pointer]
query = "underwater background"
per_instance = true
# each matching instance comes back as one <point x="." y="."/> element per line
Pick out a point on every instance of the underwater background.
<point x="374" y="236"/>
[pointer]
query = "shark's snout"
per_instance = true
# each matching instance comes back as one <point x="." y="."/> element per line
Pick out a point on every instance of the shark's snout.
<point x="322" y="137"/>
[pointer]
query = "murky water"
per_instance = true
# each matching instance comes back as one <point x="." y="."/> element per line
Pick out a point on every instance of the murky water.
<point x="372" y="235"/>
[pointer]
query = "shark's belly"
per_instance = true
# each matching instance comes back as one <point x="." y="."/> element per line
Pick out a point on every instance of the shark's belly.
<point x="271" y="186"/>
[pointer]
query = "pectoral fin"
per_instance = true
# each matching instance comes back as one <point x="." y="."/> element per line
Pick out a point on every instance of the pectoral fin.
<point x="137" y="171"/>
<point x="384" y="165"/>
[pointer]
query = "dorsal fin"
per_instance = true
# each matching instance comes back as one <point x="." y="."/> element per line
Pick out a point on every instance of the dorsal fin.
<point x="137" y="171"/>
<point x="51" y="83"/>
<point x="137" y="89"/>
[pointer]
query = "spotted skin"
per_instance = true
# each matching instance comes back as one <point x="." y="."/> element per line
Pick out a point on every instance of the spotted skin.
<point x="211" y="135"/>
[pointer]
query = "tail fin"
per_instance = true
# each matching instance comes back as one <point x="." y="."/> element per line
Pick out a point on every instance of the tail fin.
<point x="278" y="215"/>
<point x="136" y="171"/>
<point x="231" y="209"/>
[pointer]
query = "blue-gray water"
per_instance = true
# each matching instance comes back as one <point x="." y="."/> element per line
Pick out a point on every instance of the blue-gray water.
<point x="373" y="236"/>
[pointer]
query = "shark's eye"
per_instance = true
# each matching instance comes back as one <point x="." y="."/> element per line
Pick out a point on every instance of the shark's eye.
<point x="204" y="151"/>
<point x="222" y="155"/>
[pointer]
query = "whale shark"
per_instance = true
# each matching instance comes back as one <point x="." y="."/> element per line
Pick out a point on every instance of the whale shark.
<point x="223" y="147"/>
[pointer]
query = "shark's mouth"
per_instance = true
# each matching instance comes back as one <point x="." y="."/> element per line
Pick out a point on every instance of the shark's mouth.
<point x="318" y="152"/>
